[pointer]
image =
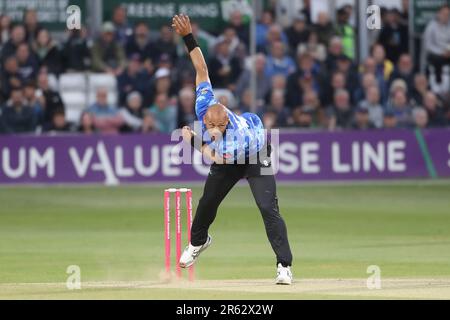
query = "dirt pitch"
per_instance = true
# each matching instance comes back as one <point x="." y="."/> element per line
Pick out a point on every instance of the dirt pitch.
<point x="227" y="289"/>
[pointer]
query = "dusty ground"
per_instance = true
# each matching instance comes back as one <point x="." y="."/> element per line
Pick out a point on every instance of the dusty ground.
<point x="308" y="288"/>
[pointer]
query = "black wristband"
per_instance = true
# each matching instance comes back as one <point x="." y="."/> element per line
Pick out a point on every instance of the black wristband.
<point x="190" y="42"/>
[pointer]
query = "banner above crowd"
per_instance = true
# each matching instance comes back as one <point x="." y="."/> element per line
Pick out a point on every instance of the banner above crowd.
<point x="51" y="14"/>
<point x="297" y="157"/>
<point x="210" y="14"/>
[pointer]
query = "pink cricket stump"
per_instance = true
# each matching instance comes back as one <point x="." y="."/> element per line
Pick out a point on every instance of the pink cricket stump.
<point x="189" y="224"/>
<point x="178" y="229"/>
<point x="167" y="229"/>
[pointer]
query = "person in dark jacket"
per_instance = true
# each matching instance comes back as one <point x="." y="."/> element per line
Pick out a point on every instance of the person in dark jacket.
<point x="49" y="100"/>
<point x="47" y="52"/>
<point x="166" y="44"/>
<point x="75" y="52"/>
<point x="28" y="63"/>
<point x="340" y="114"/>
<point x="17" y="116"/>
<point x="31" y="23"/>
<point x="134" y="78"/>
<point x="10" y="77"/>
<point x="394" y="36"/>
<point x="224" y="69"/>
<point x="17" y="37"/>
<point x="140" y="44"/>
<point x="298" y="33"/>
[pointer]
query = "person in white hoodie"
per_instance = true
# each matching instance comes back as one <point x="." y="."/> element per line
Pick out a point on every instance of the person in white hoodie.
<point x="437" y="41"/>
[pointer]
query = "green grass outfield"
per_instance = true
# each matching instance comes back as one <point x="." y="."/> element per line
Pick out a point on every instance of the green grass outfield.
<point x="115" y="235"/>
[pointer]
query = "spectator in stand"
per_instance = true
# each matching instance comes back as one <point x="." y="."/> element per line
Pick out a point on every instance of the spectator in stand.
<point x="277" y="105"/>
<point x="278" y="83"/>
<point x="47" y="52"/>
<point x="361" y="119"/>
<point x="384" y="67"/>
<point x="324" y="28"/>
<point x="28" y="64"/>
<point x="346" y="32"/>
<point x="165" y="114"/>
<point x="107" y="55"/>
<point x="337" y="82"/>
<point x="389" y="119"/>
<point x="274" y="34"/>
<point x="420" y="117"/>
<point x="17" y="38"/>
<point x="297" y="33"/>
<point x="317" y="50"/>
<point x="437" y="41"/>
<point x="404" y="14"/>
<point x="148" y="123"/>
<point x="186" y="107"/>
<point x="5" y="29"/>
<point x="242" y="29"/>
<point x="307" y="11"/>
<point x="370" y="67"/>
<point x="49" y="100"/>
<point x="163" y="84"/>
<point x="269" y="119"/>
<point x="419" y="90"/>
<point x="394" y="36"/>
<point x="262" y="28"/>
<point x="224" y="69"/>
<point x="302" y="117"/>
<point x="32" y="27"/>
<point x="59" y="123"/>
<point x="372" y="104"/>
<point x="134" y="78"/>
<point x="10" y="77"/>
<point x="75" y="54"/>
<point x="86" y="123"/>
<point x="397" y="85"/>
<point x="106" y="118"/>
<point x="229" y="35"/>
<point x="340" y="113"/>
<point x="262" y="82"/>
<point x="311" y="105"/>
<point x="278" y="62"/>
<point x="123" y="28"/>
<point x="17" y="116"/>
<point x="346" y="66"/>
<point x="335" y="50"/>
<point x="436" y="114"/>
<point x="29" y="93"/>
<point x="405" y="71"/>
<point x="402" y="109"/>
<point x="140" y="44"/>
<point x="245" y="102"/>
<point x="367" y="80"/>
<point x="166" y="44"/>
<point x="133" y="112"/>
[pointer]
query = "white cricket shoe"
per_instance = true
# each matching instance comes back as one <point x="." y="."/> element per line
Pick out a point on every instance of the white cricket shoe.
<point x="284" y="275"/>
<point x="191" y="253"/>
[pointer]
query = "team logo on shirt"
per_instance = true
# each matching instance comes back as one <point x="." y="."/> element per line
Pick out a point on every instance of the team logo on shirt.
<point x="227" y="156"/>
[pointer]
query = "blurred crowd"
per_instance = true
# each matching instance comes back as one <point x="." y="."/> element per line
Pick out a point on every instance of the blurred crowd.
<point x="307" y="74"/>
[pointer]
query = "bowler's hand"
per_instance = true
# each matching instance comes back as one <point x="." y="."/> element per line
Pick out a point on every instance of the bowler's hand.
<point x="181" y="24"/>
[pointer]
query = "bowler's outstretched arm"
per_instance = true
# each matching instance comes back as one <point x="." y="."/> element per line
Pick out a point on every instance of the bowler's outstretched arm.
<point x="183" y="27"/>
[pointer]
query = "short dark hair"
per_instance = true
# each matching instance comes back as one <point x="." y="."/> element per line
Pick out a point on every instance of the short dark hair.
<point x="59" y="111"/>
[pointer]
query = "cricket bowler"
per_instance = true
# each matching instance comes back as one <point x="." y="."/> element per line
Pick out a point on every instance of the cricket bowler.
<point x="228" y="168"/>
